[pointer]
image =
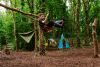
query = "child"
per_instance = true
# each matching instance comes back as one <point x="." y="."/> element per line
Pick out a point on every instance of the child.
<point x="47" y="26"/>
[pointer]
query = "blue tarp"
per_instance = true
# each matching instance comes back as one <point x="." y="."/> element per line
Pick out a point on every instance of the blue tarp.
<point x="60" y="44"/>
<point x="62" y="37"/>
<point x="67" y="45"/>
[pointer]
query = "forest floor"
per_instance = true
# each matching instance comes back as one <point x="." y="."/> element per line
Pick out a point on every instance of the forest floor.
<point x="74" y="57"/>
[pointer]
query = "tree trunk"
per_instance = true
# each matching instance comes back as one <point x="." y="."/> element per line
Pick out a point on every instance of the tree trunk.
<point x="35" y="25"/>
<point x="94" y="38"/>
<point x="15" y="30"/>
<point x="36" y="41"/>
<point x="41" y="34"/>
<point x="86" y="12"/>
<point x="42" y="46"/>
<point x="78" y="23"/>
<point x="15" y="34"/>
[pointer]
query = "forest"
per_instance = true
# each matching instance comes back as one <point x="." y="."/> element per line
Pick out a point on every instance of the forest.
<point x="49" y="33"/>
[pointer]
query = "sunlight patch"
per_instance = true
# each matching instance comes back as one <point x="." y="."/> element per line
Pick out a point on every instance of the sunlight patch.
<point x="2" y="9"/>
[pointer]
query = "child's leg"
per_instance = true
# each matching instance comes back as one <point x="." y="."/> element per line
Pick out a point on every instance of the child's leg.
<point x="50" y="24"/>
<point x="58" y="21"/>
<point x="55" y="24"/>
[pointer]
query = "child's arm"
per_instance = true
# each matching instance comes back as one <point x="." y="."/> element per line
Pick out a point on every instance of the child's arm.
<point x="46" y="18"/>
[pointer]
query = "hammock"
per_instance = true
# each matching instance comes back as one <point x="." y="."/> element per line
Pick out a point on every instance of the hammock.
<point x="27" y="36"/>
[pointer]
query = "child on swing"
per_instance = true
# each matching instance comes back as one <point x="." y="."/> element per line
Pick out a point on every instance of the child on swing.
<point x="47" y="26"/>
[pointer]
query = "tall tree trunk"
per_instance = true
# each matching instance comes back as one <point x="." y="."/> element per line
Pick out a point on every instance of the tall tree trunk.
<point x="73" y="9"/>
<point x="94" y="38"/>
<point x="15" y="29"/>
<point x="78" y="22"/>
<point x="41" y="34"/>
<point x="42" y="46"/>
<point x="15" y="33"/>
<point x="31" y="5"/>
<point x="76" y="13"/>
<point x="86" y="12"/>
<point x="36" y="34"/>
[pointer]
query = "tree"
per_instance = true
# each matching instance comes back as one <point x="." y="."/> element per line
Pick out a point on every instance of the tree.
<point x="78" y="22"/>
<point x="95" y="44"/>
<point x="86" y="12"/>
<point x="15" y="28"/>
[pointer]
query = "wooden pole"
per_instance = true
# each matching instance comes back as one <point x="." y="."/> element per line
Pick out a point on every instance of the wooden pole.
<point x="95" y="44"/>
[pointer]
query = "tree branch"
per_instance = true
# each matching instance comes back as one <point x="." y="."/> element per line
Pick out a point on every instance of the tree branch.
<point x="16" y="10"/>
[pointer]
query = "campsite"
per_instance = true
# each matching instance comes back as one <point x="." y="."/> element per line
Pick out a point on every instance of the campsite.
<point x="49" y="33"/>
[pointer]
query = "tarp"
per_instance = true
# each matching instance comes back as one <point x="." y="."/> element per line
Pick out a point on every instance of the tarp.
<point x="60" y="44"/>
<point x="27" y="36"/>
<point x="67" y="45"/>
<point x="62" y="37"/>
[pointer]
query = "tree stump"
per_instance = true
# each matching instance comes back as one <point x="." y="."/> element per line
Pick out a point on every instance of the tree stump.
<point x="95" y="44"/>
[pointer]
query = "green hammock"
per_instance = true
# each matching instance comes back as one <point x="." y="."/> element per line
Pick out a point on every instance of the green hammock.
<point x="27" y="36"/>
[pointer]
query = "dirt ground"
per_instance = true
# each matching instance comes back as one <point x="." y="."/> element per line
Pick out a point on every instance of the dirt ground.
<point x="73" y="57"/>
